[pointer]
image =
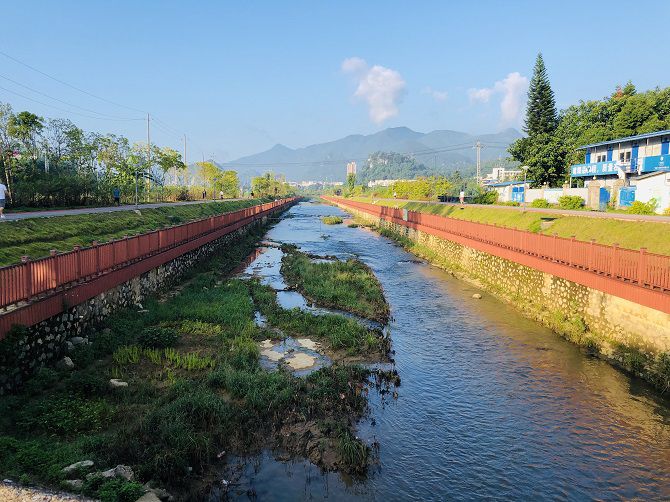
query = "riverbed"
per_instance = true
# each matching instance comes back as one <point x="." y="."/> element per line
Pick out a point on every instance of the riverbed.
<point x="491" y="405"/>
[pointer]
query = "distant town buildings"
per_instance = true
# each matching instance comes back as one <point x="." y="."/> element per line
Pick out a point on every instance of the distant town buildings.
<point x="351" y="168"/>
<point x="500" y="174"/>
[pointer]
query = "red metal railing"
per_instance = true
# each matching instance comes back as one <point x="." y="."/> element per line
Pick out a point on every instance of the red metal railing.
<point x="644" y="269"/>
<point x="33" y="279"/>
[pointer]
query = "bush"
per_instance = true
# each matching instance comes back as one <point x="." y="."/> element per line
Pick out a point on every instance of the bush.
<point x="570" y="202"/>
<point x="543" y="203"/>
<point x="488" y="197"/>
<point x="638" y="207"/>
<point x="158" y="337"/>
<point x="331" y="220"/>
<point x="509" y="203"/>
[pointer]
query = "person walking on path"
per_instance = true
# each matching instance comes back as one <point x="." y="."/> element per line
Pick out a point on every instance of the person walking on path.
<point x="461" y="197"/>
<point x="117" y="196"/>
<point x="3" y="191"/>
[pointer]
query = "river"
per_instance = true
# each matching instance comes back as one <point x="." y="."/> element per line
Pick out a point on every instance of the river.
<point x="491" y="405"/>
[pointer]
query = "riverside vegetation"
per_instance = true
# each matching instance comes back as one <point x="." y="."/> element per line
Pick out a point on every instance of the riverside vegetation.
<point x="36" y="237"/>
<point x="196" y="390"/>
<point x="349" y="286"/>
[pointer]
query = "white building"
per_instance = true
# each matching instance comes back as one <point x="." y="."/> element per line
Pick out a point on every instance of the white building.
<point x="653" y="186"/>
<point x="383" y="183"/>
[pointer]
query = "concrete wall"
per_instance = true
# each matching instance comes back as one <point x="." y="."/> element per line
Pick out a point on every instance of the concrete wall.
<point x="51" y="339"/>
<point x="628" y="334"/>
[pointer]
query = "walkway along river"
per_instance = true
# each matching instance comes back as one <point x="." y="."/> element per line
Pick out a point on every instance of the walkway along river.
<point x="491" y="405"/>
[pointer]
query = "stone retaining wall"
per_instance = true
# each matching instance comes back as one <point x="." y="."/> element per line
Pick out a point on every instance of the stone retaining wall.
<point x="28" y="349"/>
<point x="627" y="334"/>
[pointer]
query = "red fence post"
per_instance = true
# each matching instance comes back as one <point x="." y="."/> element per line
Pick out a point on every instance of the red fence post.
<point x="96" y="269"/>
<point x="56" y="267"/>
<point x="125" y="257"/>
<point x="571" y="249"/>
<point x="590" y="259"/>
<point x="614" y="272"/>
<point x="77" y="257"/>
<point x="28" y="278"/>
<point x="642" y="267"/>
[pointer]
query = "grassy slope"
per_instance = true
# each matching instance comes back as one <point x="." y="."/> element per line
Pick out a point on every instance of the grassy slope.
<point x="350" y="286"/>
<point x="174" y="417"/>
<point x="36" y="237"/>
<point x="628" y="234"/>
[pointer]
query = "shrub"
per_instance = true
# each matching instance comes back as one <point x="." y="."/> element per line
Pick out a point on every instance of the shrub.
<point x="158" y="337"/>
<point x="509" y="203"/>
<point x="331" y="220"/>
<point x="667" y="211"/>
<point x="570" y="202"/>
<point x="638" y="207"/>
<point x="543" y="203"/>
<point x="488" y="197"/>
<point x="113" y="490"/>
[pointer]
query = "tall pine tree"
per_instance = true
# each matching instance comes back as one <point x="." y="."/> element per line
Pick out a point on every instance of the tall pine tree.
<point x="541" y="116"/>
<point x="543" y="152"/>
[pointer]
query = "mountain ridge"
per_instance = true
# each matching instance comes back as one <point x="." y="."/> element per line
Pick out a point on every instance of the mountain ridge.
<point x="445" y="149"/>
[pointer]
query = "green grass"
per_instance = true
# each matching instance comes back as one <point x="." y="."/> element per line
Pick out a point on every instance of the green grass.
<point x="331" y="220"/>
<point x="36" y="237"/>
<point x="628" y="234"/>
<point x="341" y="333"/>
<point x="346" y="285"/>
<point x="185" y="403"/>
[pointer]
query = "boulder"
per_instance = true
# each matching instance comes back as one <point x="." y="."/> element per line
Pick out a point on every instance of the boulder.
<point x="73" y="484"/>
<point x="84" y="464"/>
<point x="65" y="364"/>
<point x="149" y="497"/>
<point x="477" y="296"/>
<point x="77" y="340"/>
<point x="120" y="471"/>
<point x="115" y="383"/>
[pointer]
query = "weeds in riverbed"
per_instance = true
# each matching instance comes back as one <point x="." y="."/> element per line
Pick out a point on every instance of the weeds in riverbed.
<point x="331" y="220"/>
<point x="340" y="332"/>
<point x="349" y="286"/>
<point x="186" y="403"/>
<point x="352" y="450"/>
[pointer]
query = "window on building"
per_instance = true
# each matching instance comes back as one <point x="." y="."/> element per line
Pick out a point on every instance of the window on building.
<point x="627" y="156"/>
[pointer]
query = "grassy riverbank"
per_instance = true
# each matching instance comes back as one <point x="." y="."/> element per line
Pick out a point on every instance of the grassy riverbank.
<point x="36" y="237"/>
<point x="628" y="234"/>
<point x="196" y="392"/>
<point x="350" y="286"/>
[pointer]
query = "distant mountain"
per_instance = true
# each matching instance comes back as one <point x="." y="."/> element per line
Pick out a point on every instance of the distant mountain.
<point x="443" y="151"/>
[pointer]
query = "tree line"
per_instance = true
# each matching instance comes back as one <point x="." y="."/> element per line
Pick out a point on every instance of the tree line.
<point x="550" y="147"/>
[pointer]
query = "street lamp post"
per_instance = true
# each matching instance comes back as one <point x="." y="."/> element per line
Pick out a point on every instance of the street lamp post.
<point x="525" y="171"/>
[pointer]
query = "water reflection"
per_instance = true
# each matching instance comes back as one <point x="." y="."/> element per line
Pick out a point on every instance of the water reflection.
<point x="491" y="405"/>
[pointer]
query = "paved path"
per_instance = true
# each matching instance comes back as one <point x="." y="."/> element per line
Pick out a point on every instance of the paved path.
<point x="105" y="209"/>
<point x="560" y="212"/>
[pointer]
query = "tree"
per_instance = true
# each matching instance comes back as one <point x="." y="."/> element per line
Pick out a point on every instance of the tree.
<point x="351" y="182"/>
<point x="543" y="152"/>
<point x="541" y="116"/>
<point x="229" y="184"/>
<point x="26" y="127"/>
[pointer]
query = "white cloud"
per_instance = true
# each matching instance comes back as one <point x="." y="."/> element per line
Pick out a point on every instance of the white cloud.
<point x="381" y="87"/>
<point x="435" y="94"/>
<point x="513" y="89"/>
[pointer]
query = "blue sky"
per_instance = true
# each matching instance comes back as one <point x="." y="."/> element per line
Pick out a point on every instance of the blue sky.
<point x="239" y="77"/>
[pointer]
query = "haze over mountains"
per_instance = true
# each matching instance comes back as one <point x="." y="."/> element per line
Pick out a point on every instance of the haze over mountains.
<point x="447" y="150"/>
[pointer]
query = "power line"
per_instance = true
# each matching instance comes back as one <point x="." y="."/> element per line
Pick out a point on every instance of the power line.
<point x="103" y="115"/>
<point x="52" y="106"/>
<point x="69" y="85"/>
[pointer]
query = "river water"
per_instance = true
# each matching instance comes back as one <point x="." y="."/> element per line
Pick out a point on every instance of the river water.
<point x="491" y="405"/>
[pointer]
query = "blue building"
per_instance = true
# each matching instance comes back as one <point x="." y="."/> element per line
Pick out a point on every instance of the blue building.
<point x="613" y="169"/>
<point x="623" y="158"/>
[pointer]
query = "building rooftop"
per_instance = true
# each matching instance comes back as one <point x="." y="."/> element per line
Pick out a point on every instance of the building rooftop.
<point x="507" y="183"/>
<point x="665" y="132"/>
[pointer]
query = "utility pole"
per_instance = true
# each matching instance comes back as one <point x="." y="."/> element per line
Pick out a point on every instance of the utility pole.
<point x="149" y="148"/>
<point x="478" y="146"/>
